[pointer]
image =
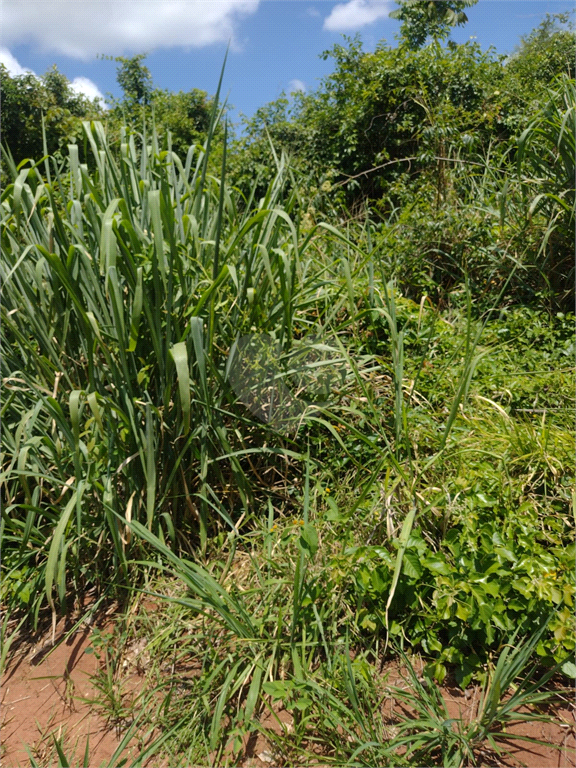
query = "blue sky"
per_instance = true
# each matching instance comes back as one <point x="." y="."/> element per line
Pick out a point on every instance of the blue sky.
<point x="275" y="44"/>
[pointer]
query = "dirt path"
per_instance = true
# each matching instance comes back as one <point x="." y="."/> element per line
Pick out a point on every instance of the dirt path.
<point x="42" y="692"/>
<point x="45" y="688"/>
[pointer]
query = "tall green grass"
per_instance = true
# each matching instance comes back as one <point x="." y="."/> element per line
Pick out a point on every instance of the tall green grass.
<point x="124" y="287"/>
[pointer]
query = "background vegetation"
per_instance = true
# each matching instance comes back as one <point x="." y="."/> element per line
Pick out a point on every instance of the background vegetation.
<point x="411" y="222"/>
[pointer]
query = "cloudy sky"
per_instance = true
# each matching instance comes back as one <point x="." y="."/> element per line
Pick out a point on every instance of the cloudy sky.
<point x="274" y="44"/>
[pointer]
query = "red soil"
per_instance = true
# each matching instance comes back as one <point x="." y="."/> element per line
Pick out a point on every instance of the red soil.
<point x="44" y="686"/>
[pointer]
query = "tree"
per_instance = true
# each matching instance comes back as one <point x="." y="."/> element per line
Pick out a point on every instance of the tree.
<point x="186" y="114"/>
<point x="27" y="100"/>
<point x="388" y="113"/>
<point x="547" y="52"/>
<point x="429" y="18"/>
<point x="252" y="156"/>
<point x="135" y="79"/>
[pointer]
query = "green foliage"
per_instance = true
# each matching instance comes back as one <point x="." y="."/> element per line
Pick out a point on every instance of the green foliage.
<point x="118" y="324"/>
<point x="495" y="548"/>
<point x="429" y="18"/>
<point x="301" y="687"/>
<point x="547" y="52"/>
<point x="385" y="116"/>
<point x="28" y="102"/>
<point x="432" y="139"/>
<point x="431" y="731"/>
<point x="419" y="501"/>
<point x="269" y="131"/>
<point x="135" y="79"/>
<point x="183" y="115"/>
<point x="546" y="166"/>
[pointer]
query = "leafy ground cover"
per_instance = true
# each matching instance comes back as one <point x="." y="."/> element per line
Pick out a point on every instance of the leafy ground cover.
<point x="323" y="447"/>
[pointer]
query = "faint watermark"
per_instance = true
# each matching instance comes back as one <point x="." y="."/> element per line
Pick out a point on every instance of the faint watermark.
<point x="282" y="387"/>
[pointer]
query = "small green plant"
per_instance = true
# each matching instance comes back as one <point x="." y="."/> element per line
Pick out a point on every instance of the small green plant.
<point x="431" y="734"/>
<point x="112" y="700"/>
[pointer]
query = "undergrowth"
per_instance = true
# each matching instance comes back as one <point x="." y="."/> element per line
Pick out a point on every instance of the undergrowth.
<point x="212" y="399"/>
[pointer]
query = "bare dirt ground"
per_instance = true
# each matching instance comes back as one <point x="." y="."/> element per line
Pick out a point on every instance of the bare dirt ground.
<point x="42" y="696"/>
<point x="45" y="690"/>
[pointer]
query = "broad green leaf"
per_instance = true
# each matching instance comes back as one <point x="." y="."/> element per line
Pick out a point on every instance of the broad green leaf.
<point x="154" y="203"/>
<point x="108" y="238"/>
<point x="437" y="564"/>
<point x="253" y="693"/>
<point x="403" y="542"/>
<point x="136" y="311"/>
<point x="197" y="330"/>
<point x="569" y="669"/>
<point x="57" y="543"/>
<point x="411" y="565"/>
<point x="74" y="405"/>
<point x="179" y="353"/>
<point x="309" y="538"/>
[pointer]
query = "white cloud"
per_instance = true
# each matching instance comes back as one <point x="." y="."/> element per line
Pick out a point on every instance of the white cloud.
<point x="356" y="14"/>
<point x="83" y="28"/>
<point x="12" y="65"/>
<point x="296" y="85"/>
<point x="312" y="11"/>
<point x="88" y="88"/>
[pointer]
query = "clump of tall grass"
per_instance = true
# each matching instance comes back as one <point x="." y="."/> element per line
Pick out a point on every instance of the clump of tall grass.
<point x="124" y="287"/>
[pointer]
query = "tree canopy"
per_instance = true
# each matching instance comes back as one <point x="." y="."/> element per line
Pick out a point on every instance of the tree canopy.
<point x="30" y="102"/>
<point x="422" y="19"/>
